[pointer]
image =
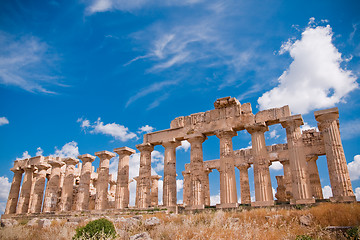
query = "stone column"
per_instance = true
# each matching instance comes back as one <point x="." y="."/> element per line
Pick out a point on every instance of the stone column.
<point x="338" y="171"/>
<point x="197" y="173"/>
<point x="154" y="190"/>
<point x="280" y="190"/>
<point x="82" y="198"/>
<point x="207" y="187"/>
<point x="314" y="177"/>
<point x="262" y="180"/>
<point x="136" y="179"/>
<point x="244" y="184"/>
<point x="14" y="191"/>
<point x="52" y="187"/>
<point x="68" y="185"/>
<point x="287" y="179"/>
<point x="24" y="200"/>
<point x="169" y="185"/>
<point x="102" y="183"/>
<point x="39" y="188"/>
<point x="144" y="181"/>
<point x="228" y="192"/>
<point x="301" y="189"/>
<point x="122" y="195"/>
<point x="186" y="188"/>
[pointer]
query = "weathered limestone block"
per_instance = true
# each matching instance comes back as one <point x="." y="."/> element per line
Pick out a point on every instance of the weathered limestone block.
<point x="39" y="186"/>
<point x="169" y="184"/>
<point x="287" y="179"/>
<point x="338" y="172"/>
<point x="112" y="191"/>
<point x="14" y="191"/>
<point x="281" y="189"/>
<point x="102" y="183"/>
<point x="314" y="177"/>
<point x="52" y="187"/>
<point x="144" y="180"/>
<point x="262" y="180"/>
<point x="82" y="198"/>
<point x="186" y="188"/>
<point x="155" y="190"/>
<point x="68" y="186"/>
<point x="244" y="184"/>
<point x="25" y="194"/>
<point x="301" y="189"/>
<point x="272" y="116"/>
<point x="122" y="186"/>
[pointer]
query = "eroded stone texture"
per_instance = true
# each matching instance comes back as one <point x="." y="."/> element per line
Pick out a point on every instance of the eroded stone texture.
<point x="281" y="189"/>
<point x="14" y="191"/>
<point x="144" y="180"/>
<point x="155" y="190"/>
<point x="25" y="194"/>
<point x="122" y="186"/>
<point x="38" y="191"/>
<point x="338" y="171"/>
<point x="68" y="186"/>
<point x="287" y="179"/>
<point x="52" y="187"/>
<point x="314" y="177"/>
<point x="244" y="184"/>
<point x="102" y="183"/>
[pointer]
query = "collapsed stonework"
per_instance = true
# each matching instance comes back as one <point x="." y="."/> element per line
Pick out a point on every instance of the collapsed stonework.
<point x="54" y="185"/>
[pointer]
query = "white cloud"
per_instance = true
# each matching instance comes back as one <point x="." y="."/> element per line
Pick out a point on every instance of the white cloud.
<point x="185" y="145"/>
<point x="24" y="155"/>
<point x="3" y="121"/>
<point x="70" y="149"/>
<point x="115" y="130"/>
<point x="4" y="192"/>
<point x="146" y="129"/>
<point x="273" y="134"/>
<point x="357" y="193"/>
<point x="215" y="199"/>
<point x="179" y="184"/>
<point x="276" y="166"/>
<point x="354" y="168"/>
<point x="327" y="192"/>
<point x="39" y="151"/>
<point x="315" y="78"/>
<point x="157" y="158"/>
<point x="306" y="126"/>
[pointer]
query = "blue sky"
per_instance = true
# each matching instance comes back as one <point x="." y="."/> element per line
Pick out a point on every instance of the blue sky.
<point x="85" y="76"/>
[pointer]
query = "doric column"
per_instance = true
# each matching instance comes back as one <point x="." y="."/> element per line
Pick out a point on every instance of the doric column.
<point x="102" y="183"/>
<point x="14" y="191"/>
<point x="244" y="184"/>
<point x="228" y="192"/>
<point x="155" y="190"/>
<point x="314" y="177"/>
<point x="38" y="191"/>
<point x="262" y="180"/>
<point x="338" y="171"/>
<point x="169" y="185"/>
<point x="197" y="172"/>
<point x="122" y="184"/>
<point x="25" y="194"/>
<point x="144" y="181"/>
<point x="207" y="187"/>
<point x="280" y="190"/>
<point x="82" y="198"/>
<point x="52" y="187"/>
<point x="186" y="188"/>
<point x="287" y="179"/>
<point x="301" y="189"/>
<point x="68" y="186"/>
<point x="136" y="179"/>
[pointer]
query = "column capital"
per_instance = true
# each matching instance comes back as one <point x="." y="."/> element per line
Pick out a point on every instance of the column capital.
<point x="171" y="144"/>
<point x="145" y="147"/>
<point x="243" y="166"/>
<point x="195" y="137"/>
<point x="43" y="166"/>
<point x="310" y="158"/>
<point x="71" y="161"/>
<point x="105" y="154"/>
<point x="327" y="114"/>
<point x="226" y="133"/>
<point x="157" y="177"/>
<point x="16" y="170"/>
<point x="292" y="121"/>
<point x="56" y="163"/>
<point x="86" y="158"/>
<point x="284" y="161"/>
<point x="257" y="127"/>
<point x="124" y="151"/>
<point x="30" y="168"/>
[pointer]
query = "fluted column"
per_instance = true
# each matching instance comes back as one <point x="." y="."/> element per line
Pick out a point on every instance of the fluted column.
<point x="314" y="177"/>
<point x="301" y="188"/>
<point x="14" y="191"/>
<point x="155" y="190"/>
<point x="262" y="180"/>
<point x="102" y="183"/>
<point x="24" y="200"/>
<point x="207" y="187"/>
<point x="52" y="187"/>
<point x="169" y="185"/>
<point x="338" y="171"/>
<point x="39" y="188"/>
<point x="287" y="179"/>
<point x="186" y="188"/>
<point x="197" y="172"/>
<point x="122" y="185"/>
<point x="68" y="186"/>
<point x="244" y="184"/>
<point x="144" y="181"/>
<point x="82" y="198"/>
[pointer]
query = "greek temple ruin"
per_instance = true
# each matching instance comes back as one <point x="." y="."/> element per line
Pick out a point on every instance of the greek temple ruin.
<point x="43" y="185"/>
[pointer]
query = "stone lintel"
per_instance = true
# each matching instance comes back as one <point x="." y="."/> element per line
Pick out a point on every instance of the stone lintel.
<point x="272" y="116"/>
<point x="295" y="120"/>
<point x="327" y="114"/>
<point x="225" y="102"/>
<point x="71" y="161"/>
<point x="105" y="154"/>
<point x="124" y="151"/>
<point x="257" y="127"/>
<point x="145" y="147"/>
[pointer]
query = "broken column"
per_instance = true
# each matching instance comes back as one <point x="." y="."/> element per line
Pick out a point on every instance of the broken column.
<point x="262" y="180"/>
<point x="287" y="178"/>
<point x="52" y="187"/>
<point x="228" y="192"/>
<point x="338" y="171"/>
<point x="244" y="184"/>
<point x="186" y="188"/>
<point x="155" y="190"/>
<point x="82" y="201"/>
<point x="144" y="179"/>
<point x="207" y="187"/>
<point x="24" y="199"/>
<point x="301" y="190"/>
<point x="38" y="193"/>
<point x="68" y="185"/>
<point x="314" y="177"/>
<point x="14" y="191"/>
<point x="169" y="184"/>
<point x="280" y="190"/>
<point x="102" y="183"/>
<point x="122" y="185"/>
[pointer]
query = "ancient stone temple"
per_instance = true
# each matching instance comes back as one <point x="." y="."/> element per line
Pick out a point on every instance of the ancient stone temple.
<point x="48" y="185"/>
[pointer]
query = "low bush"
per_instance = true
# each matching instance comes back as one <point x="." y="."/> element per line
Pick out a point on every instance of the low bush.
<point x="97" y="229"/>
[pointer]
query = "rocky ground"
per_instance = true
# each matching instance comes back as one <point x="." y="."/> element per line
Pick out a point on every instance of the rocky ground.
<point x="325" y="221"/>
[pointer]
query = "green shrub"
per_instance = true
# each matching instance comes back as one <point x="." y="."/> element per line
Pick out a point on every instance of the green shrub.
<point x="353" y="233"/>
<point x="303" y="237"/>
<point x="97" y="229"/>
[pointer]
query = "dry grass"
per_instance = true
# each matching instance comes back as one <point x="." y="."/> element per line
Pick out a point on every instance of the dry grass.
<point x="262" y="223"/>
